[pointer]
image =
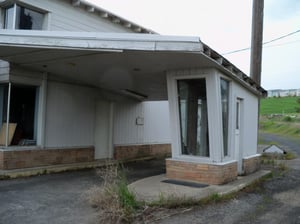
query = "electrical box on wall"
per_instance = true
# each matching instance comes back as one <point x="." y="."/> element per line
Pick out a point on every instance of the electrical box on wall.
<point x="139" y="121"/>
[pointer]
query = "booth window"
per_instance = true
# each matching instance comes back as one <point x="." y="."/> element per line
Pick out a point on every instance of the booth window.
<point x="21" y="102"/>
<point x="225" y="113"/>
<point x="23" y="18"/>
<point x="193" y="117"/>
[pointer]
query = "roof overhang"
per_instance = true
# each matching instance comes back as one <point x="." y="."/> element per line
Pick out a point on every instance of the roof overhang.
<point x="136" y="63"/>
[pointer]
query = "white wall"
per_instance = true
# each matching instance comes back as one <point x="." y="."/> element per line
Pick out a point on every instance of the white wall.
<point x="249" y="119"/>
<point x="70" y="115"/>
<point x="4" y="71"/>
<point x="155" y="128"/>
<point x="64" y="16"/>
<point x="70" y="118"/>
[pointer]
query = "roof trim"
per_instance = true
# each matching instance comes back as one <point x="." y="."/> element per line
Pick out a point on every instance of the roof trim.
<point x="98" y="41"/>
<point x="121" y="42"/>
<point x="234" y="72"/>
<point x="114" y="18"/>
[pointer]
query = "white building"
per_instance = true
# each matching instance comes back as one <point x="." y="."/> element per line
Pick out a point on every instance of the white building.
<point x="283" y="92"/>
<point x="79" y="83"/>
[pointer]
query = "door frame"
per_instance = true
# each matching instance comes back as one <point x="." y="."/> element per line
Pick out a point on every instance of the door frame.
<point x="238" y="133"/>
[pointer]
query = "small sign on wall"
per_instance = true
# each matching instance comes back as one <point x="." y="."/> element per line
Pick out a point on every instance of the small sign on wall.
<point x="139" y="121"/>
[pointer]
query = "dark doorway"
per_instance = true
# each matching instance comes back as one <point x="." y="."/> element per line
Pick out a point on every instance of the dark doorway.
<point x="22" y="112"/>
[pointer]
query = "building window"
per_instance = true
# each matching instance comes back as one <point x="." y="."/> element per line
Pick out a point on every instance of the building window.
<point x="23" y="18"/>
<point x="18" y="113"/>
<point x="193" y="117"/>
<point x="225" y="113"/>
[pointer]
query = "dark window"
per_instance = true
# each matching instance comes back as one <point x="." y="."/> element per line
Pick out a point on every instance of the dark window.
<point x="22" y="114"/>
<point x="193" y="117"/>
<point x="19" y="17"/>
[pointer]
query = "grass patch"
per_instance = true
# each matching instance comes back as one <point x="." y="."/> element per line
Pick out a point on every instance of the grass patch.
<point x="278" y="105"/>
<point x="290" y="129"/>
<point x="174" y="201"/>
<point x="257" y="185"/>
<point x="289" y="156"/>
<point x="280" y="116"/>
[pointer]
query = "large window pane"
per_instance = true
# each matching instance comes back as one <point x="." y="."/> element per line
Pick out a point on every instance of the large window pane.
<point x="28" y="19"/>
<point x="193" y="117"/>
<point x="225" y="113"/>
<point x="9" y="17"/>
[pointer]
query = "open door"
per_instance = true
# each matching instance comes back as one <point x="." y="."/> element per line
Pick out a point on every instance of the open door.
<point x="103" y="130"/>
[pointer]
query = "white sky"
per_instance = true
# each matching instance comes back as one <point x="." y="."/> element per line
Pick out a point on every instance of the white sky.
<point x="225" y="25"/>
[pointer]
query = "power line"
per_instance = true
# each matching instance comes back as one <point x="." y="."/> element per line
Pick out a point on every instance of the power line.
<point x="264" y="43"/>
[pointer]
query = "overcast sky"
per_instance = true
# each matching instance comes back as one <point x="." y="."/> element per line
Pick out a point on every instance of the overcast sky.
<point x="225" y="25"/>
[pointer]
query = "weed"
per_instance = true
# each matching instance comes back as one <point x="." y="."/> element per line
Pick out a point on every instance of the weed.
<point x="289" y="156"/>
<point x="115" y="202"/>
<point x="257" y="186"/>
<point x="287" y="119"/>
<point x="4" y="177"/>
<point x="282" y="167"/>
<point x="126" y="198"/>
<point x="173" y="201"/>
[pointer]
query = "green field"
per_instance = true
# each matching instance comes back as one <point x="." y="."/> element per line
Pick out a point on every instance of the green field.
<point x="282" y="105"/>
<point x="279" y="116"/>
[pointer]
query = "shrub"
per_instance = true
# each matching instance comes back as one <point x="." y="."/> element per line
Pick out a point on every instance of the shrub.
<point x="115" y="202"/>
<point x="287" y="119"/>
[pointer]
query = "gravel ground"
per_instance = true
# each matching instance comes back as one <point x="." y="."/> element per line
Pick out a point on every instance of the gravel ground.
<point x="288" y="143"/>
<point x="59" y="198"/>
<point x="277" y="201"/>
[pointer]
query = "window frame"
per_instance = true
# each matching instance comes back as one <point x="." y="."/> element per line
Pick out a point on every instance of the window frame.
<point x="45" y="13"/>
<point x="231" y="119"/>
<point x="228" y="115"/>
<point x="186" y="123"/>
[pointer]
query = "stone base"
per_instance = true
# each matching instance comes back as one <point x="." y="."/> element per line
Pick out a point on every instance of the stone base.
<point x="251" y="164"/>
<point x="139" y="151"/>
<point x="25" y="158"/>
<point x="200" y="172"/>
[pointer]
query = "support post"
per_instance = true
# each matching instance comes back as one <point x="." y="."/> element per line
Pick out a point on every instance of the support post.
<point x="256" y="40"/>
<point x="7" y="116"/>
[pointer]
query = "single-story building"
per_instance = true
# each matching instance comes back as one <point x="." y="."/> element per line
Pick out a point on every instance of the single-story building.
<point x="79" y="83"/>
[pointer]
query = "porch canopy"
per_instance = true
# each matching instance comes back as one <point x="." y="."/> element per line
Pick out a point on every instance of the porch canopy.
<point x="130" y="64"/>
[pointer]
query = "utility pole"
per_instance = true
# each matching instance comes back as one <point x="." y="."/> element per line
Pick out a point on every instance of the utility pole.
<point x="256" y="40"/>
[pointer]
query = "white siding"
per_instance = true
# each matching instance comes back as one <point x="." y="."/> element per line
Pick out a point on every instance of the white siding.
<point x="4" y="71"/>
<point x="155" y="128"/>
<point x="65" y="17"/>
<point x="249" y="119"/>
<point x="70" y="115"/>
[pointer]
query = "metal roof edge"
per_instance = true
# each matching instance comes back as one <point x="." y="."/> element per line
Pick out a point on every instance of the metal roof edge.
<point x="99" y="41"/>
<point x="114" y="18"/>
<point x="99" y="35"/>
<point x="233" y="71"/>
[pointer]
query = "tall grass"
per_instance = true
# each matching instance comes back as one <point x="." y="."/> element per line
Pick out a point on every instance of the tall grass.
<point x="115" y="202"/>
